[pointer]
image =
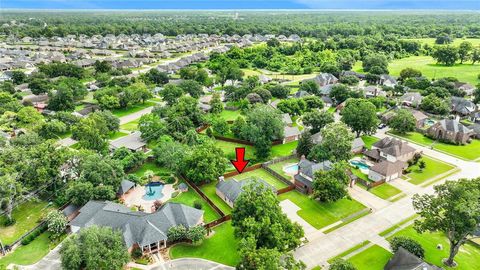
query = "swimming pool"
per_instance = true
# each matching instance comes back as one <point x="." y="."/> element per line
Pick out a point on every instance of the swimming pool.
<point x="359" y="164"/>
<point x="153" y="191"/>
<point x="291" y="169"/>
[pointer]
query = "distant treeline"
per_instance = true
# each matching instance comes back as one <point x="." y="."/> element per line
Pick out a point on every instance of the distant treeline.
<point x="306" y="24"/>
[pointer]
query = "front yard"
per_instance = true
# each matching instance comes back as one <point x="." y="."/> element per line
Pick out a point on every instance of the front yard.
<point x="469" y="151"/>
<point x="319" y="214"/>
<point x="261" y="174"/>
<point x="27" y="216"/>
<point x="433" y="168"/>
<point x="132" y="109"/>
<point x="220" y="247"/>
<point x="130" y="126"/>
<point x="468" y="258"/>
<point x="372" y="258"/>
<point x="385" y="191"/>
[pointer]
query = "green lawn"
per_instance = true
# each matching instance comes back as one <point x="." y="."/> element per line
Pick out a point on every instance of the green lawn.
<point x="130" y="126"/>
<point x="318" y="214"/>
<point x="359" y="174"/>
<point x="385" y="191"/>
<point x="210" y="191"/>
<point x="469" y="151"/>
<point x="430" y="69"/>
<point x="456" y="42"/>
<point x="369" y="140"/>
<point x="433" y="168"/>
<point x="190" y="197"/>
<point x="27" y="216"/>
<point x="261" y="174"/>
<point x="372" y="258"/>
<point x="115" y="135"/>
<point x="29" y="254"/>
<point x="229" y="115"/>
<point x="468" y="258"/>
<point x="282" y="150"/>
<point x="221" y="247"/>
<point x="278" y="167"/>
<point x="151" y="166"/>
<point x="132" y="109"/>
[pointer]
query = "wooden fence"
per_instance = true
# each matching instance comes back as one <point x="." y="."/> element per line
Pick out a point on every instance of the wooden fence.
<point x="285" y="190"/>
<point x="277" y="175"/>
<point x="200" y="192"/>
<point x="217" y="222"/>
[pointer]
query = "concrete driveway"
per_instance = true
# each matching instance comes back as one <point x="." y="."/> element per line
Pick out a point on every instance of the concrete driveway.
<point x="191" y="264"/>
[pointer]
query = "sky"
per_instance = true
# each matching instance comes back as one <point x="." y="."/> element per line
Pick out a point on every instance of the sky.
<point x="242" y="4"/>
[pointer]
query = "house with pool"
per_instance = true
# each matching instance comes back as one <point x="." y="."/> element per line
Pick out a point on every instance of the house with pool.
<point x="147" y="231"/>
<point x="303" y="179"/>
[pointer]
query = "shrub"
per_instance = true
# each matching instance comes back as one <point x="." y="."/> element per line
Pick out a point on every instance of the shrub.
<point x="9" y="222"/>
<point x="407" y="243"/>
<point x="137" y="253"/>
<point x="175" y="194"/>
<point x="197" y="204"/>
<point x="34" y="234"/>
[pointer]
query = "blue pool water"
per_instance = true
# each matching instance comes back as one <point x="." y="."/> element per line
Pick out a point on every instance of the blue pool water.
<point x="153" y="191"/>
<point x="359" y="164"/>
<point x="291" y="169"/>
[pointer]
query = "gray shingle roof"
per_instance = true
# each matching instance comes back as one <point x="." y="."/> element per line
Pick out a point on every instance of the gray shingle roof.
<point x="137" y="227"/>
<point x="233" y="188"/>
<point x="387" y="168"/>
<point x="393" y="147"/>
<point x="291" y="131"/>
<point x="454" y="126"/>
<point x="125" y="186"/>
<point x="404" y="260"/>
<point x="309" y="168"/>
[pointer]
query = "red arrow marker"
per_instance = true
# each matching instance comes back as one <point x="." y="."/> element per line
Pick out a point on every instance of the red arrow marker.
<point x="240" y="163"/>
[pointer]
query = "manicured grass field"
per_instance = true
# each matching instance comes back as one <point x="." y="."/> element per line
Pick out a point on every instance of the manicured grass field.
<point x="261" y="174"/>
<point x="469" y="151"/>
<point x="130" y="126"/>
<point x="468" y="258"/>
<point x="115" y="135"/>
<point x="229" y="115"/>
<point x="229" y="149"/>
<point x="190" y="197"/>
<point x="278" y="167"/>
<point x="221" y="247"/>
<point x="372" y="258"/>
<point x="431" y="41"/>
<point x="282" y="150"/>
<point x="27" y="216"/>
<point x="29" y="254"/>
<point x="430" y="69"/>
<point x="319" y="214"/>
<point x="210" y="191"/>
<point x="369" y="140"/>
<point x="151" y="166"/>
<point x="385" y="191"/>
<point x="433" y="168"/>
<point x="132" y="109"/>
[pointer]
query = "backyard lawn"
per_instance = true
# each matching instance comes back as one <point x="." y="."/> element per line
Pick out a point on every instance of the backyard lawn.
<point x="433" y="168"/>
<point x="372" y="258"/>
<point x="27" y="216"/>
<point x="115" y="135"/>
<point x="190" y="197"/>
<point x="318" y="214"/>
<point x="132" y="109"/>
<point x="221" y="247"/>
<point x="469" y="151"/>
<point x="369" y="140"/>
<point x="210" y="191"/>
<point x="130" y="126"/>
<point x="151" y="166"/>
<point x="261" y="174"/>
<point x="229" y="115"/>
<point x="468" y="258"/>
<point x="29" y="254"/>
<point x="282" y="150"/>
<point x="278" y="167"/>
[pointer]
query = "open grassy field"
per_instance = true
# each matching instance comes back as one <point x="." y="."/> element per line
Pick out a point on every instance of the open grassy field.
<point x="433" y="168"/>
<point x="190" y="197"/>
<point x="469" y="151"/>
<point x="132" y="109"/>
<point x="430" y="69"/>
<point x="261" y="174"/>
<point x="456" y="42"/>
<point x="27" y="216"/>
<point x="278" y="167"/>
<point x="372" y="258"/>
<point x="468" y="258"/>
<point x="221" y="247"/>
<point x="319" y="214"/>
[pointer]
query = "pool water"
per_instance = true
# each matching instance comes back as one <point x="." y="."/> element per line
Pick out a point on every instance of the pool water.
<point x="153" y="191"/>
<point x="291" y="169"/>
<point x="359" y="164"/>
<point x="430" y="122"/>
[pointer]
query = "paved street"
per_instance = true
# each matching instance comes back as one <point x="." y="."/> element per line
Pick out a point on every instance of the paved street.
<point x="325" y="246"/>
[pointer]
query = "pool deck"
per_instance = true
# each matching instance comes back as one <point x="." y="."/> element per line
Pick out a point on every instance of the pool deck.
<point x="135" y="197"/>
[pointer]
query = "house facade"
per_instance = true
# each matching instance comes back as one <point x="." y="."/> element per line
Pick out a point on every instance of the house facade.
<point x="450" y="130"/>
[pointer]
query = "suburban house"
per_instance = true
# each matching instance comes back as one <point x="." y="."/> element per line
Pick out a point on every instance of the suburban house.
<point x="125" y="187"/>
<point x="306" y="171"/>
<point x="323" y="79"/>
<point x="404" y="260"/>
<point x="147" y="231"/>
<point x="230" y="190"/>
<point x="132" y="141"/>
<point x="387" y="80"/>
<point x="386" y="170"/>
<point x="466" y="87"/>
<point x="411" y="99"/>
<point x="451" y="131"/>
<point x="291" y="134"/>
<point x="358" y="145"/>
<point x="286" y="119"/>
<point x="420" y="118"/>
<point x="463" y="107"/>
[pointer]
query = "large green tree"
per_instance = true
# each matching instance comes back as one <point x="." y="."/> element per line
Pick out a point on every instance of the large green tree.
<point x="454" y="210"/>
<point x="317" y="120"/>
<point x="204" y="163"/>
<point x="361" y="116"/>
<point x="403" y="121"/>
<point x="336" y="143"/>
<point x="331" y="185"/>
